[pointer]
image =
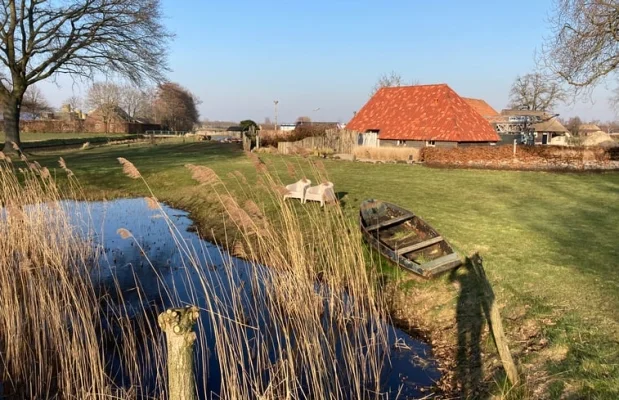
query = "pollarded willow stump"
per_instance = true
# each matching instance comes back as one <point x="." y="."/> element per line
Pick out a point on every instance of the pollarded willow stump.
<point x="177" y="324"/>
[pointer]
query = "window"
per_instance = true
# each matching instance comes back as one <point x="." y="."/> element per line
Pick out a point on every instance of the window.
<point x="430" y="143"/>
<point x="401" y="143"/>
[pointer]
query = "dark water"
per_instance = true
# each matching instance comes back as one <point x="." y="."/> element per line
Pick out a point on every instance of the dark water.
<point x="151" y="273"/>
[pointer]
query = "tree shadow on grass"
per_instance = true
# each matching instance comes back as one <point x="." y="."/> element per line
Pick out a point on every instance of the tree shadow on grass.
<point x="472" y="311"/>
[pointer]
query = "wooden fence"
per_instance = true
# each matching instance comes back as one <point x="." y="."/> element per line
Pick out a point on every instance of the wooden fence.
<point x="338" y="141"/>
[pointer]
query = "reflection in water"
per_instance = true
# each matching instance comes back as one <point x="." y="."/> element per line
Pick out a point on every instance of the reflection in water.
<point x="143" y="277"/>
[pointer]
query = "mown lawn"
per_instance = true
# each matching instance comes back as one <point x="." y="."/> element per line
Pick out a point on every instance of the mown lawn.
<point x="550" y="241"/>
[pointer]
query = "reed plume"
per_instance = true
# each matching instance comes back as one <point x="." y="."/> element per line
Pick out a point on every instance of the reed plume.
<point x="124" y="233"/>
<point x="63" y="166"/>
<point x="241" y="177"/>
<point x="236" y="213"/>
<point x="152" y="203"/>
<point x="45" y="173"/>
<point x="129" y="169"/>
<point x="202" y="174"/>
<point x="291" y="171"/>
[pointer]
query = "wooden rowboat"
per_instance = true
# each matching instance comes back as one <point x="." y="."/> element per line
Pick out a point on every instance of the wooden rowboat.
<point x="406" y="239"/>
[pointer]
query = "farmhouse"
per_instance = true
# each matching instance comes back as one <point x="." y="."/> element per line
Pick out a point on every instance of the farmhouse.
<point x="531" y="126"/>
<point x="550" y="131"/>
<point x="108" y="119"/>
<point x="588" y="129"/>
<point x="419" y="116"/>
<point x="483" y="108"/>
<point x="114" y="119"/>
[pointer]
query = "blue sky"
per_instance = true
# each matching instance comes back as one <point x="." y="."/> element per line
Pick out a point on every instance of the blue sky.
<point x="239" y="56"/>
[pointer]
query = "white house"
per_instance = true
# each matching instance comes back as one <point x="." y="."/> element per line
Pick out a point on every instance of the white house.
<point x="287" y="127"/>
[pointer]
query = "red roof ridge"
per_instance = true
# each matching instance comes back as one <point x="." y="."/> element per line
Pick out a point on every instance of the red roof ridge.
<point x="422" y="112"/>
<point x="410" y="86"/>
<point x="481" y="106"/>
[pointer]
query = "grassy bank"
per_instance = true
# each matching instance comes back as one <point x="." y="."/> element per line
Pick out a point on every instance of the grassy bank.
<point x="548" y="242"/>
<point x="42" y="140"/>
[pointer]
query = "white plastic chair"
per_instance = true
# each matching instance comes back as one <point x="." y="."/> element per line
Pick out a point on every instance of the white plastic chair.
<point x="323" y="193"/>
<point x="297" y="190"/>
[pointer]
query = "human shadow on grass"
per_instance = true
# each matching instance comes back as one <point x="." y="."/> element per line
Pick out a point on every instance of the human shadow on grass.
<point x="472" y="311"/>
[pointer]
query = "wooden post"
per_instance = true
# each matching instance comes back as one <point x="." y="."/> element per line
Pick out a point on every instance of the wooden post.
<point x="496" y="325"/>
<point x="515" y="140"/>
<point x="177" y="324"/>
<point x="494" y="320"/>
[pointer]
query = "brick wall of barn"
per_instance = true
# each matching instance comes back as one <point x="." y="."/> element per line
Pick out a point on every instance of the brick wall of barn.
<point x="418" y="144"/>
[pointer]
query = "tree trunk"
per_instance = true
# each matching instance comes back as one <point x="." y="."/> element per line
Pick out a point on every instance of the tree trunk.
<point x="11" y="113"/>
<point x="177" y="323"/>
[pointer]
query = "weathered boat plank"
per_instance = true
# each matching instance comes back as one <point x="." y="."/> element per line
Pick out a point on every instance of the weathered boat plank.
<point x="419" y="246"/>
<point x="389" y="253"/>
<point x="385" y="242"/>
<point x="441" y="264"/>
<point x="390" y="222"/>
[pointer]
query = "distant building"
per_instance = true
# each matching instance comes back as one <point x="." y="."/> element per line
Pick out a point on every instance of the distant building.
<point x="529" y="126"/>
<point x="111" y="119"/>
<point x="550" y="131"/>
<point x="419" y="116"/>
<point x="588" y="129"/>
<point x="115" y="120"/>
<point x="483" y="108"/>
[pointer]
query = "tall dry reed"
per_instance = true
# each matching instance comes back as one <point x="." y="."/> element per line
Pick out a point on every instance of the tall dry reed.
<point x="326" y="322"/>
<point x="49" y="312"/>
<point x="305" y="323"/>
<point x="54" y="322"/>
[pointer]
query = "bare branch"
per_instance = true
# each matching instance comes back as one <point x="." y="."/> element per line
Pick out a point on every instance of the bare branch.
<point x="535" y="92"/>
<point x="393" y="79"/>
<point x="74" y="102"/>
<point x="43" y="38"/>
<point x="34" y="102"/>
<point x="137" y="102"/>
<point x="584" y="46"/>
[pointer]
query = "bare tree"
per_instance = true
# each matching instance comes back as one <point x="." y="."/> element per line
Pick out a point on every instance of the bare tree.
<point x="104" y="98"/>
<point x="584" y="47"/>
<point x="34" y="102"/>
<point x="613" y="100"/>
<point x="41" y="38"/>
<point x="573" y="125"/>
<point x="74" y="102"/>
<point x="535" y="92"/>
<point x="609" y="126"/>
<point x="176" y="107"/>
<point x="303" y="120"/>
<point x="136" y="102"/>
<point x="392" y="79"/>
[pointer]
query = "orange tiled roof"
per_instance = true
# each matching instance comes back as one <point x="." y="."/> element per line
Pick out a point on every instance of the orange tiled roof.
<point x="481" y="107"/>
<point x="425" y="112"/>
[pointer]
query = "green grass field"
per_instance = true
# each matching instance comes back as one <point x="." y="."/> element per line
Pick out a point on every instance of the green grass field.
<point x="549" y="240"/>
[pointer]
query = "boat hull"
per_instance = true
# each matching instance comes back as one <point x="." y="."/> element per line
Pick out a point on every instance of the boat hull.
<point x="405" y="239"/>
